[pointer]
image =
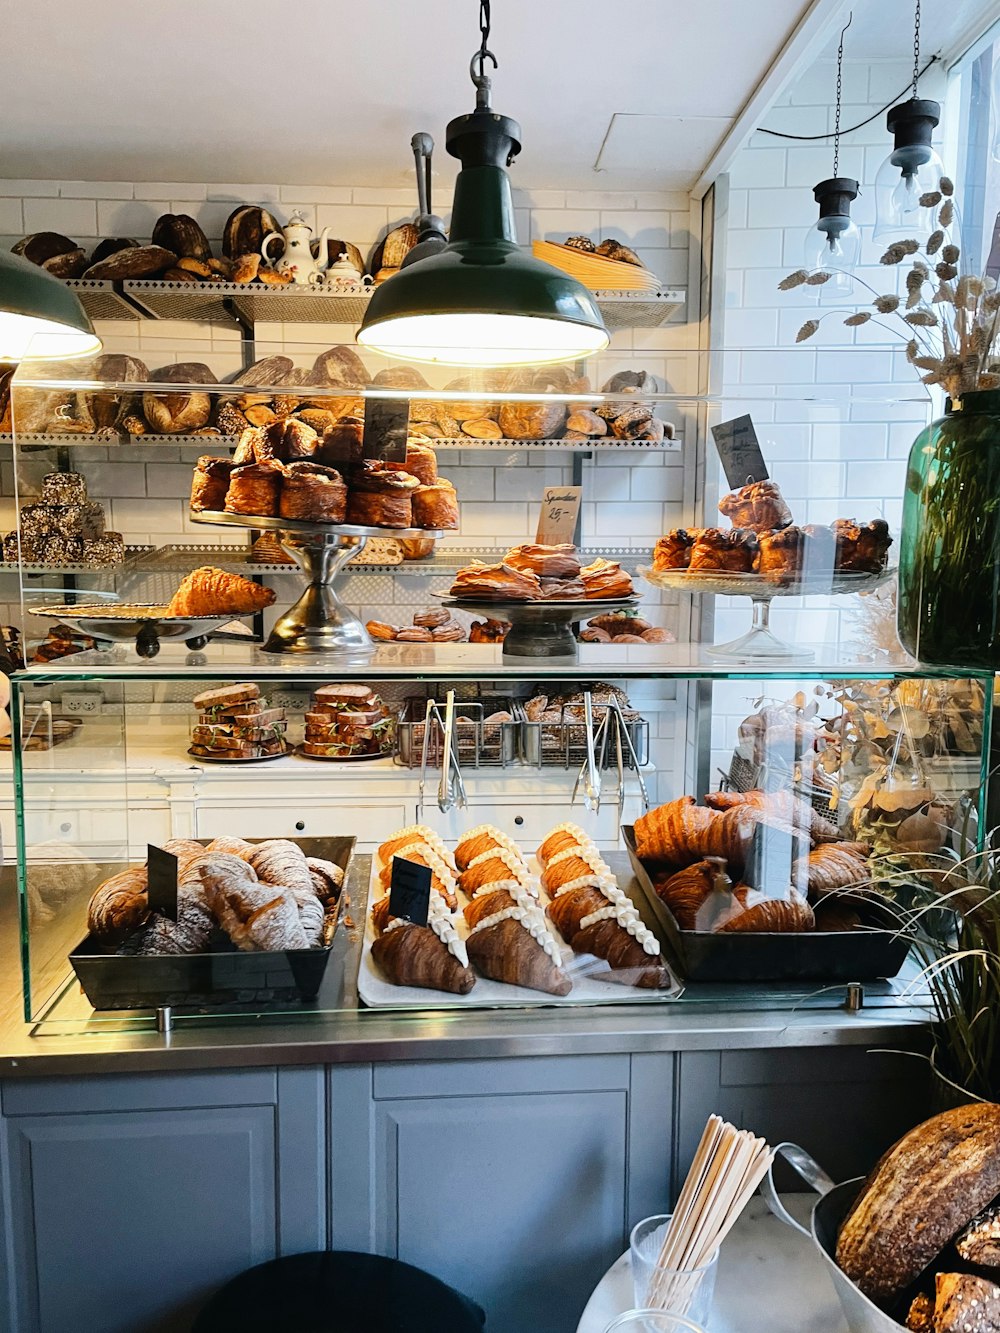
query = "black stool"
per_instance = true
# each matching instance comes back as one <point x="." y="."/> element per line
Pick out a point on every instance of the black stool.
<point x="339" y="1291"/>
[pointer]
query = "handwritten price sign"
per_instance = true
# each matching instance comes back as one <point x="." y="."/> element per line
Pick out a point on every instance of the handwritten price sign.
<point x="557" y="521"/>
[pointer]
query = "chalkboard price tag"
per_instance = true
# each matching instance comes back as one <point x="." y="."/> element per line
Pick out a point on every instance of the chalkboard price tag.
<point x="742" y="460"/>
<point x="386" y="423"/>
<point x="410" y="891"/>
<point x="161" y="887"/>
<point x="560" y="509"/>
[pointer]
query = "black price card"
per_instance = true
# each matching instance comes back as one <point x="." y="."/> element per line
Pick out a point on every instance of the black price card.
<point x="161" y="887"/>
<point x="773" y="851"/>
<point x="410" y="891"/>
<point x="386" y="422"/>
<point x="742" y="460"/>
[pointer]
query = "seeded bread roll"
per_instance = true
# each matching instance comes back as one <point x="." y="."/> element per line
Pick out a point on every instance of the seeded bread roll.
<point x="921" y="1193"/>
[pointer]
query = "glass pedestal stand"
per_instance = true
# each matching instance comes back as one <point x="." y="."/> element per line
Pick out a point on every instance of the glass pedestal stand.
<point x="760" y="640"/>
<point x="319" y="622"/>
<point x="760" y="643"/>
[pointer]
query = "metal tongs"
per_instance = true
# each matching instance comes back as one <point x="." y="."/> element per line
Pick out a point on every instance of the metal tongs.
<point x="451" y="785"/>
<point x="589" y="776"/>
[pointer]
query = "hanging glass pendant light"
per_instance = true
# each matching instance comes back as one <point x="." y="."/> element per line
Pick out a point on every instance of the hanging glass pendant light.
<point x="481" y="300"/>
<point x="912" y="172"/>
<point x="39" y="315"/>
<point x="833" y="243"/>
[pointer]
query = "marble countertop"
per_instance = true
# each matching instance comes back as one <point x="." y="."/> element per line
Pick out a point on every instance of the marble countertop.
<point x="771" y="1280"/>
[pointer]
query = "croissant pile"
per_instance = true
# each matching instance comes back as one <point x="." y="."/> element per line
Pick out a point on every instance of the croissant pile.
<point x="262" y="896"/>
<point x="764" y="540"/>
<point x="513" y="920"/>
<point x="698" y="856"/>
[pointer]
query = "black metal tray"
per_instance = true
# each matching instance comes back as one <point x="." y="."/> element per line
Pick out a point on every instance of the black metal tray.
<point x="879" y="950"/>
<point x="225" y="977"/>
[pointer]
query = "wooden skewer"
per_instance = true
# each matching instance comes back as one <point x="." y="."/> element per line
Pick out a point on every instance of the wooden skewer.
<point x="728" y="1165"/>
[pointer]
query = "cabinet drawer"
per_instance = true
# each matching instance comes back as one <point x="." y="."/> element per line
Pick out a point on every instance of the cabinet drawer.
<point x="370" y="822"/>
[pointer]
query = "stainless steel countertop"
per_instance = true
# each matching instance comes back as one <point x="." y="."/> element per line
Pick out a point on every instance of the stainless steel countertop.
<point x="341" y="1033"/>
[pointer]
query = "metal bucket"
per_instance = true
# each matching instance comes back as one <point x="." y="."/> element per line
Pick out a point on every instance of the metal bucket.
<point x="828" y="1213"/>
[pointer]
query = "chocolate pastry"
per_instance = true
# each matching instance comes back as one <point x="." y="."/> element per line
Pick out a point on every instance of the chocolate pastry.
<point x="717" y="551"/>
<point x="488" y="631"/>
<point x="210" y="482"/>
<point x="673" y="551"/>
<point x="497" y="583"/>
<point x="421" y="462"/>
<point x="313" y="492"/>
<point x="606" y="578"/>
<point x="254" y="489"/>
<point x="861" y="548"/>
<point x="780" y="554"/>
<point x="291" y="438"/>
<point x="432" y="617"/>
<point x="758" y="506"/>
<point x="435" y="506"/>
<point x="342" y="443"/>
<point x="63" y="488"/>
<point x="452" y="632"/>
<point x="553" y="562"/>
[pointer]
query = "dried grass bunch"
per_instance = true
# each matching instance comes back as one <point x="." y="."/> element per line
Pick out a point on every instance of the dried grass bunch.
<point x="951" y="320"/>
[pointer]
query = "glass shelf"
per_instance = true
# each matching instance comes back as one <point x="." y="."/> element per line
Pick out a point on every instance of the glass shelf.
<point x="447" y="661"/>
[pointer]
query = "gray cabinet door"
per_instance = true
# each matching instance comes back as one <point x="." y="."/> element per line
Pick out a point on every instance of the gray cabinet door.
<point x="128" y="1203"/>
<point x="508" y="1179"/>
<point x="130" y="1220"/>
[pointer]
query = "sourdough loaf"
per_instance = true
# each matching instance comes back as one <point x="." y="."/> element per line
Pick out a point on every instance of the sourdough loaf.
<point x="922" y="1192"/>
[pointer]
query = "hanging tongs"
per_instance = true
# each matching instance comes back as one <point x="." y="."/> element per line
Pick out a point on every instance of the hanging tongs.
<point x="624" y="739"/>
<point x="589" y="776"/>
<point x="451" y="780"/>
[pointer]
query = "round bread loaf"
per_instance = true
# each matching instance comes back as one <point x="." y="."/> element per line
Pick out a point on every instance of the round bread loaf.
<point x="922" y="1192"/>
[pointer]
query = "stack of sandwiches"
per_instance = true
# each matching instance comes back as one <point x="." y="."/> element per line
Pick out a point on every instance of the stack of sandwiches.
<point x="234" y="722"/>
<point x="348" y="721"/>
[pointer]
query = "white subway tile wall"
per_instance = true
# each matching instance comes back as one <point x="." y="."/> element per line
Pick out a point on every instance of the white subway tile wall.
<point x="145" y="494"/>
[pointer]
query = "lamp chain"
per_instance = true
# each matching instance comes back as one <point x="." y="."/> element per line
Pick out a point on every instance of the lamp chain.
<point x="484" y="28"/>
<point x="916" y="47"/>
<point x="840" y="85"/>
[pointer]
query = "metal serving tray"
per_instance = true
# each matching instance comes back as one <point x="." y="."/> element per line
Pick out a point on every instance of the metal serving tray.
<point x="835" y="956"/>
<point x="225" y="977"/>
<point x="478" y="744"/>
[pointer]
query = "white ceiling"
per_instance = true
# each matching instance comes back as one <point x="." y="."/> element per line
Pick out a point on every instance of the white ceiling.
<point x="883" y="29"/>
<point x="326" y="91"/>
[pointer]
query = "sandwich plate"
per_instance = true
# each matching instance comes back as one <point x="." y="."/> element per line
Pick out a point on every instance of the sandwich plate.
<point x="239" y="758"/>
<point x="342" y="758"/>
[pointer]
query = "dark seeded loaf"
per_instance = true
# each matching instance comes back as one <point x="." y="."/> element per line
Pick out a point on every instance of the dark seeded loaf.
<point x="921" y="1193"/>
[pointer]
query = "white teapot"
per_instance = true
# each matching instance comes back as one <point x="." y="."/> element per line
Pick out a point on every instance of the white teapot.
<point x="297" y="260"/>
<point x="343" y="276"/>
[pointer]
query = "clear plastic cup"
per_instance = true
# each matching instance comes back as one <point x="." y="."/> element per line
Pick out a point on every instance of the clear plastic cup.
<point x="688" y="1293"/>
<point x="653" y="1321"/>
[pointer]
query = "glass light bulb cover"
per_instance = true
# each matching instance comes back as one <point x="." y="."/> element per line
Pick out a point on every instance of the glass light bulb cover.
<point x="833" y="245"/>
<point x="904" y="177"/>
<point x="40" y="315"/>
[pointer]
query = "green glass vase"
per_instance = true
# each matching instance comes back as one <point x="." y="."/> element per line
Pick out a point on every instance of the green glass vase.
<point x="949" y="554"/>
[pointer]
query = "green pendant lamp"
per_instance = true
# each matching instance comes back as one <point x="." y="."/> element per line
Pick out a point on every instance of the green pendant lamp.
<point x="39" y="315"/>
<point x="481" y="301"/>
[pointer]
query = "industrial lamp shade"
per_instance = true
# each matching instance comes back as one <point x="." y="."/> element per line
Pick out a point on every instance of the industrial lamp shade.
<point x="481" y="301"/>
<point x="39" y="315"/>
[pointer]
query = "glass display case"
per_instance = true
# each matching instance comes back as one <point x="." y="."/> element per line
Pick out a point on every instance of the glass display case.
<point x="220" y="649"/>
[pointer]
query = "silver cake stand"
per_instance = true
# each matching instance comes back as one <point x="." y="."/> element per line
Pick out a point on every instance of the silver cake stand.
<point x="760" y="641"/>
<point x="539" y="629"/>
<point x="319" y="622"/>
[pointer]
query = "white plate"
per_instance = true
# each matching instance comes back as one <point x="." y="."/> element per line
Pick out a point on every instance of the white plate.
<point x="583" y="970"/>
